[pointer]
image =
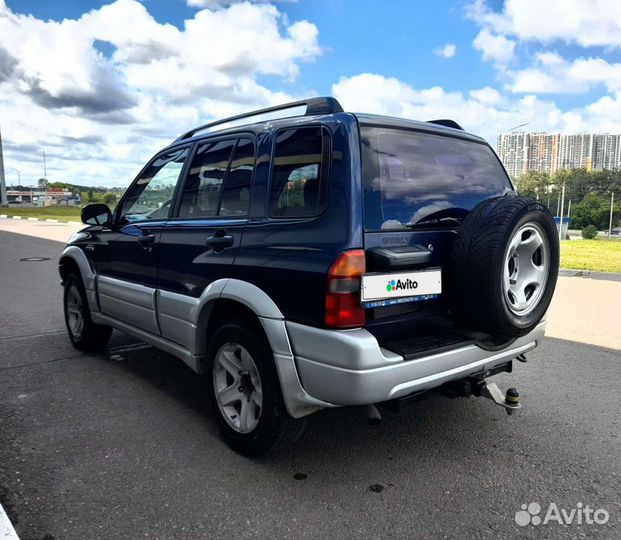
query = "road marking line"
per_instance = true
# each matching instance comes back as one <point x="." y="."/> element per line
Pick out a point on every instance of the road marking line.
<point x="33" y="219"/>
<point x="4" y="216"/>
<point x="17" y="217"/>
<point x="7" y="532"/>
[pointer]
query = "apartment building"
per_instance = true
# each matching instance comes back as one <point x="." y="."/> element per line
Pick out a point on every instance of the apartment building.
<point x="521" y="152"/>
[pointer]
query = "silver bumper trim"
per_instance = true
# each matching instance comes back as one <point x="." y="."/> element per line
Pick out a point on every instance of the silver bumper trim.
<point x="356" y="385"/>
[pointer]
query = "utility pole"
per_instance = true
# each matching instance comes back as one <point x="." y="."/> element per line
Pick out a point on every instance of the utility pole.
<point x="3" y="200"/>
<point x="44" y="167"/>
<point x="612" y="202"/>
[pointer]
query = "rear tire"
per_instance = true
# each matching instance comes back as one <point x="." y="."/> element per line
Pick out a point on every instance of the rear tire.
<point x="84" y="334"/>
<point x="244" y="391"/>
<point x="504" y="266"/>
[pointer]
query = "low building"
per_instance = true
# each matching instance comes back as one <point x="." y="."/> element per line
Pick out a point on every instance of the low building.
<point x="50" y="197"/>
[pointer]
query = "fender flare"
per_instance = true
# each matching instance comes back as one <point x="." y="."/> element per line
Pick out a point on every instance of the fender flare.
<point x="75" y="254"/>
<point x="246" y="294"/>
<point x="297" y="401"/>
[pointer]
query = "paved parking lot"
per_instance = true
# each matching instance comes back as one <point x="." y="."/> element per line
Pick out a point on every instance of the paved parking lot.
<point x="122" y="444"/>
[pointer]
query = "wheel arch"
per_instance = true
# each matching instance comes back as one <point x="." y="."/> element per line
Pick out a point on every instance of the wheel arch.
<point x="238" y="299"/>
<point x="73" y="259"/>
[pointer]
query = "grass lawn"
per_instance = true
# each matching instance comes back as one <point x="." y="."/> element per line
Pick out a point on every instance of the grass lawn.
<point x="63" y="213"/>
<point x="600" y="254"/>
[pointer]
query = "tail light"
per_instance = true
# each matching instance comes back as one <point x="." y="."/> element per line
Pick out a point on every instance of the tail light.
<point x="343" y="309"/>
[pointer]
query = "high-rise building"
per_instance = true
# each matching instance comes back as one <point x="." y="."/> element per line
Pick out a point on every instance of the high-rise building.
<point x="512" y="152"/>
<point x="521" y="152"/>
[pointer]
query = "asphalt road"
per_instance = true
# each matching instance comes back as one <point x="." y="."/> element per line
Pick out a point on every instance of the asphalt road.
<point x="122" y="445"/>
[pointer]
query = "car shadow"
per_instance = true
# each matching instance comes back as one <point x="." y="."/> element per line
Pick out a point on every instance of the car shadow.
<point x="429" y="430"/>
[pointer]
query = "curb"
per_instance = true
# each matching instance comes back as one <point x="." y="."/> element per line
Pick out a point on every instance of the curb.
<point x="7" y="532"/>
<point x="4" y="216"/>
<point x="607" y="276"/>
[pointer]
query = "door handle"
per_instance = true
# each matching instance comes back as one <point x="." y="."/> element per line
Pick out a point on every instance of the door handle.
<point x="219" y="241"/>
<point x="146" y="241"/>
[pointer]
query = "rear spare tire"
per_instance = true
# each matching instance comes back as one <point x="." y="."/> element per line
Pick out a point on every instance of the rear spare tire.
<point x="504" y="266"/>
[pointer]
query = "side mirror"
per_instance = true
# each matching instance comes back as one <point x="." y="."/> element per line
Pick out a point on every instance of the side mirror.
<point x="96" y="214"/>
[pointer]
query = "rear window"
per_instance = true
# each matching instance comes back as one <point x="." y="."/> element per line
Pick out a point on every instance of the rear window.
<point x="410" y="177"/>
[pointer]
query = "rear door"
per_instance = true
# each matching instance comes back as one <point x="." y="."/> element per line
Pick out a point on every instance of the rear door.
<point x="417" y="188"/>
<point x="200" y="242"/>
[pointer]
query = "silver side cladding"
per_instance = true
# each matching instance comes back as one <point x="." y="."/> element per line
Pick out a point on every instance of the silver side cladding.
<point x="129" y="302"/>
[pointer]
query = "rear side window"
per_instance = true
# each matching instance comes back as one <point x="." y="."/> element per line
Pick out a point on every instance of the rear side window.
<point x="299" y="172"/>
<point x="411" y="177"/>
<point x="218" y="183"/>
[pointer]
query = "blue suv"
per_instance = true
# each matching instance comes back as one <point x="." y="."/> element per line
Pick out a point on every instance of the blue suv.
<point x="303" y="257"/>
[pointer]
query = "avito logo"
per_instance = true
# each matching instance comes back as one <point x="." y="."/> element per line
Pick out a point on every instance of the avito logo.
<point x="401" y="285"/>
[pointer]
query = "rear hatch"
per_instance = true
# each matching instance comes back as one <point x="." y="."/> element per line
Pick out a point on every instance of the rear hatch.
<point x="417" y="188"/>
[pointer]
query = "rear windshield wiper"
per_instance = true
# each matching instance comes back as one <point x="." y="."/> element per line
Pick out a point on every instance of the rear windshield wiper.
<point x="434" y="222"/>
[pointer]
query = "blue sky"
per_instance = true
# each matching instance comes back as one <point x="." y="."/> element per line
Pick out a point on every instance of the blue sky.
<point x="490" y="65"/>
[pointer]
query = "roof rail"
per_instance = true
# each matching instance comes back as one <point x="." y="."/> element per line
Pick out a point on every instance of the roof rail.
<point x="318" y="105"/>
<point x="446" y="123"/>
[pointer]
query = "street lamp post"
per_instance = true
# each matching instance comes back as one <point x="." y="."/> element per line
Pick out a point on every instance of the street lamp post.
<point x="19" y="177"/>
<point x="3" y="200"/>
<point x="560" y="223"/>
<point x="612" y="203"/>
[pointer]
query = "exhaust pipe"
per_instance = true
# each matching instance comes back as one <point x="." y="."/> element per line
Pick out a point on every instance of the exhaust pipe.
<point x="374" y="417"/>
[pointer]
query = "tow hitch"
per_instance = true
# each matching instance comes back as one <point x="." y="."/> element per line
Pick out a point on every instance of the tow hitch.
<point x="510" y="401"/>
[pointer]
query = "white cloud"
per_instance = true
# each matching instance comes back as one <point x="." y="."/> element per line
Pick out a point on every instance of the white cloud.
<point x="448" y="51"/>
<point x="553" y="74"/>
<point x="100" y="117"/>
<point x="483" y="111"/>
<point x="585" y="22"/>
<point x="494" y="47"/>
<point x="211" y="4"/>
<point x="487" y="95"/>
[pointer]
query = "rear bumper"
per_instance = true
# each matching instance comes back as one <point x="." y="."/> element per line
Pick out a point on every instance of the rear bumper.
<point x="350" y="368"/>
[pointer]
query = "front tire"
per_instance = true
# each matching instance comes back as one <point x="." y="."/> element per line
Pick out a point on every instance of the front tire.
<point x="244" y="391"/>
<point x="84" y="334"/>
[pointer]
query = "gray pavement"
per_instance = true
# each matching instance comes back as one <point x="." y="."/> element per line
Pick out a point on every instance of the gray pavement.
<point x="122" y="444"/>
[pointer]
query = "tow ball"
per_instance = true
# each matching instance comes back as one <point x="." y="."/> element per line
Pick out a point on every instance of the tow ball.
<point x="509" y="401"/>
<point x="481" y="388"/>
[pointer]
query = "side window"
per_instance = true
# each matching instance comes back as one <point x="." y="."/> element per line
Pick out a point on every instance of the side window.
<point x="297" y="184"/>
<point x="218" y="183"/>
<point x="151" y="195"/>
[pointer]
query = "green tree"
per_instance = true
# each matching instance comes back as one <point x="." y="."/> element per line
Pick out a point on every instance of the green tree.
<point x="593" y="209"/>
<point x="61" y="185"/>
<point x="533" y="184"/>
<point x="109" y="199"/>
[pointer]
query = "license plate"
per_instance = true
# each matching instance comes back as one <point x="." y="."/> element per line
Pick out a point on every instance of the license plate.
<point x="401" y="285"/>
